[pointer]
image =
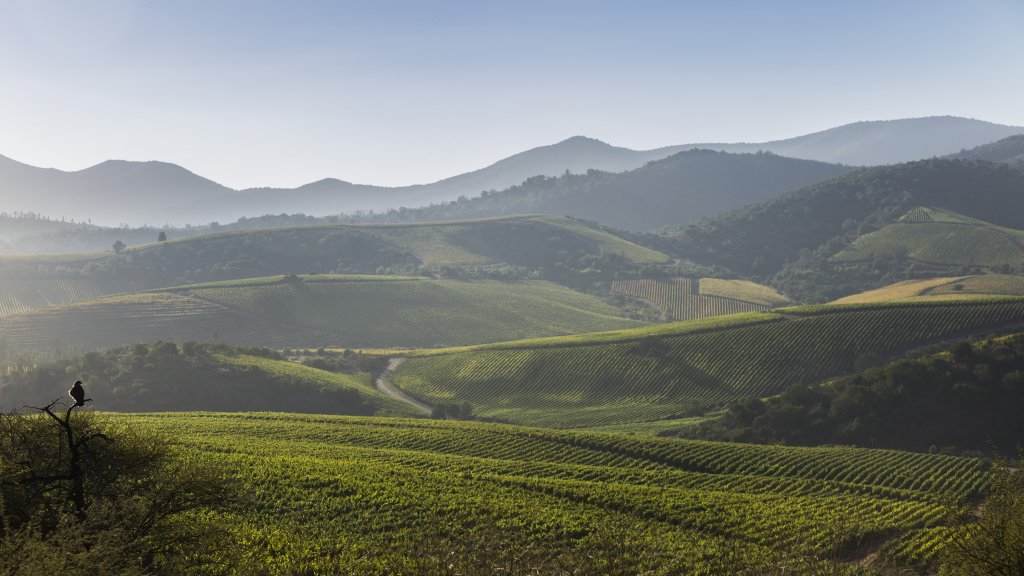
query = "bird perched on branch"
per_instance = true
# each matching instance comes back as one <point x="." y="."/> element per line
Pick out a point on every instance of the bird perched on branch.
<point x="77" y="393"/>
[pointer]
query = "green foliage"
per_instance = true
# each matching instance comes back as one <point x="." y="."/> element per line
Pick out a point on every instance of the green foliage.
<point x="791" y="238"/>
<point x="689" y="298"/>
<point x="993" y="544"/>
<point x="621" y="378"/>
<point x="322" y="310"/>
<point x="192" y="376"/>
<point x="553" y="248"/>
<point x="944" y="240"/>
<point x="373" y="496"/>
<point x="80" y="494"/>
<point x="969" y="398"/>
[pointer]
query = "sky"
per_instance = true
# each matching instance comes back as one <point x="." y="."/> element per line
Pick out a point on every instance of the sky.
<point x="255" y="93"/>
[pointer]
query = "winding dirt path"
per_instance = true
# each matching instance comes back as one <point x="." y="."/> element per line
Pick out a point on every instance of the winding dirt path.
<point x="384" y="385"/>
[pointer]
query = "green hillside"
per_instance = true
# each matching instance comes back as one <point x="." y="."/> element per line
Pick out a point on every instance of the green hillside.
<point x="968" y="397"/>
<point x="191" y="376"/>
<point x="790" y="240"/>
<point x="691" y="298"/>
<point x="942" y="238"/>
<point x="321" y="310"/>
<point x="958" y="287"/>
<point x="653" y="374"/>
<point x="1010" y="150"/>
<point x="383" y="496"/>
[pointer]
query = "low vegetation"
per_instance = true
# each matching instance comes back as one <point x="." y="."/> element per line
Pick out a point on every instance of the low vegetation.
<point x="166" y="376"/>
<point x="372" y="496"/>
<point x="81" y="493"/>
<point x="970" y="397"/>
<point x="959" y="287"/>
<point x="655" y="373"/>
<point x="691" y="298"/>
<point x="320" y="310"/>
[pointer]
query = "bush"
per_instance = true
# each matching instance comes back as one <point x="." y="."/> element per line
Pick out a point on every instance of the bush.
<point x="993" y="543"/>
<point x="81" y="494"/>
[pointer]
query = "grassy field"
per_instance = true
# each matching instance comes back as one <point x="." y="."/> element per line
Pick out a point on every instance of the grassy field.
<point x="692" y="298"/>
<point x="321" y="310"/>
<point x="667" y="372"/>
<point x="937" y="237"/>
<point x="385" y="496"/>
<point x="982" y="285"/>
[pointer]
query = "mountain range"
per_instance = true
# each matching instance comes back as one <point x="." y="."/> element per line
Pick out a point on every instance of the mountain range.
<point x="117" y="191"/>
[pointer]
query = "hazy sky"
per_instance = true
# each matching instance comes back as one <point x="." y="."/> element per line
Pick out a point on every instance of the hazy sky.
<point x="253" y="93"/>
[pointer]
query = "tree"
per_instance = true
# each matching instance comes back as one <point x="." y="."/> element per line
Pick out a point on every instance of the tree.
<point x="118" y="246"/>
<point x="161" y="237"/>
<point x="80" y="493"/>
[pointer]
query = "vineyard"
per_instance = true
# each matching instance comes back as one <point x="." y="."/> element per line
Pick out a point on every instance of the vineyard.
<point x="691" y="298"/>
<point x="324" y="310"/>
<point x="659" y="375"/>
<point x="18" y="296"/>
<point x="942" y="238"/>
<point x="936" y="288"/>
<point x="334" y="493"/>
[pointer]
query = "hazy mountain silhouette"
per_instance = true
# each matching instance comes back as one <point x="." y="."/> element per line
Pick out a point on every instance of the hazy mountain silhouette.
<point x="157" y="193"/>
<point x="673" y="191"/>
<point x="111" y="192"/>
<point x="1009" y="150"/>
<point x="883" y="141"/>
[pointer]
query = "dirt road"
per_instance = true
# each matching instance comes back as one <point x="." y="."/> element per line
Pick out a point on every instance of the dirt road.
<point x="383" y="384"/>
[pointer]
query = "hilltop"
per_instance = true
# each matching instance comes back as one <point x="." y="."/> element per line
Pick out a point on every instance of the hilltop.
<point x="157" y="193"/>
<point x="1009" y="150"/>
<point x="316" y="311"/>
<point x="551" y="247"/>
<point x="682" y="188"/>
<point x="879" y="142"/>
<point x="790" y="240"/>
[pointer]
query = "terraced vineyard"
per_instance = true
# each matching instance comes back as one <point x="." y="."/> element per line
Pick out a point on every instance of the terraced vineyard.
<point x="27" y="294"/>
<point x="691" y="298"/>
<point x="959" y="287"/>
<point x="334" y="492"/>
<point x="314" y="311"/>
<point x="654" y="374"/>
<point x="938" y="237"/>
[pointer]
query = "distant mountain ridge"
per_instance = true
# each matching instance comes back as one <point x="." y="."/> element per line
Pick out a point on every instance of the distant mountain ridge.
<point x="155" y="193"/>
<point x="881" y="142"/>
<point x="672" y="191"/>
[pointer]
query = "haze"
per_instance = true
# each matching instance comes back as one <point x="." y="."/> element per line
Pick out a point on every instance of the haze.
<point x="392" y="93"/>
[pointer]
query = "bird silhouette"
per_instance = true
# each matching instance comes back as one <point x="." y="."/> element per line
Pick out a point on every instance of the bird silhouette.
<point x="77" y="393"/>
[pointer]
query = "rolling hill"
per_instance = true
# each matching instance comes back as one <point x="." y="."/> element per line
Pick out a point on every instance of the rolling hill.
<point x="316" y="311"/>
<point x="467" y="497"/>
<point x="691" y="298"/>
<point x="940" y="238"/>
<point x="791" y="239"/>
<point x="551" y="247"/>
<point x="682" y="188"/>
<point x="957" y="287"/>
<point x="676" y="370"/>
<point x="164" y="376"/>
